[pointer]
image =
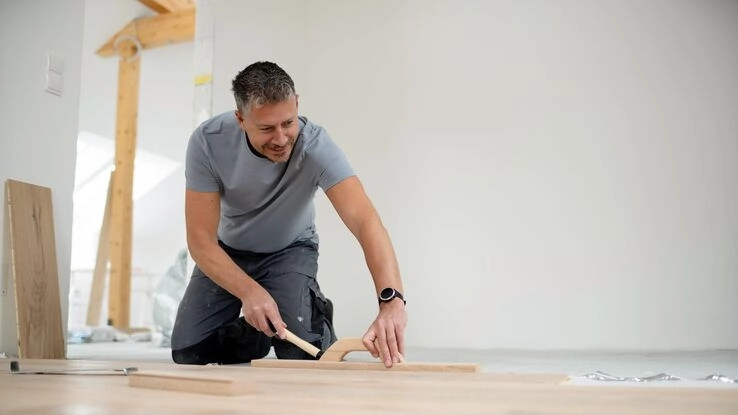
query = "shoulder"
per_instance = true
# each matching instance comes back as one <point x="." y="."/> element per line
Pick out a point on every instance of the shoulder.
<point x="313" y="135"/>
<point x="224" y="124"/>
<point x="318" y="147"/>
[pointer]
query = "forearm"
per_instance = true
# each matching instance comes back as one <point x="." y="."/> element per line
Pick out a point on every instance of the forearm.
<point x="379" y="255"/>
<point x="220" y="268"/>
<point x="360" y="217"/>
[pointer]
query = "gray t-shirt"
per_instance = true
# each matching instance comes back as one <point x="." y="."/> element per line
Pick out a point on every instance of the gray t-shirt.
<point x="264" y="206"/>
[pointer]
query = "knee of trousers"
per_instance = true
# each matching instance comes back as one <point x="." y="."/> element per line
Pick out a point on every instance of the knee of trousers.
<point x="186" y="358"/>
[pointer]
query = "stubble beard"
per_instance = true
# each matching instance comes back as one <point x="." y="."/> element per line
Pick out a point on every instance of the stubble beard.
<point x="286" y="152"/>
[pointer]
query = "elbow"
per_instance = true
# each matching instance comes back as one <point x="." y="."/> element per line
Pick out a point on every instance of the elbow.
<point x="199" y="245"/>
<point x="370" y="226"/>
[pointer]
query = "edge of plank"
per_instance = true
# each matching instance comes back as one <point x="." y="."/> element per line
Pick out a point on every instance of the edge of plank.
<point x="352" y="365"/>
<point x="188" y="382"/>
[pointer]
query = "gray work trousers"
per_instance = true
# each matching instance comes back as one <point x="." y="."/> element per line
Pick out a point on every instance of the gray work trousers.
<point x="208" y="328"/>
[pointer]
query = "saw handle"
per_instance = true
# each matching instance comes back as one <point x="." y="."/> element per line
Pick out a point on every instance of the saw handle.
<point x="302" y="344"/>
<point x="335" y="353"/>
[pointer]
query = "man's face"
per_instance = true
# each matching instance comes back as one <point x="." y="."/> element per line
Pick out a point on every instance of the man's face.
<point x="272" y="129"/>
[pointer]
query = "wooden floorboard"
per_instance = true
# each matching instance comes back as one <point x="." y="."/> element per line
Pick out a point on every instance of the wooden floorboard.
<point x="348" y="365"/>
<point x="35" y="274"/>
<point x="311" y="391"/>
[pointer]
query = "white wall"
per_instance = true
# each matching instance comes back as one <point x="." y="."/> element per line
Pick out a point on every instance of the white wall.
<point x="39" y="130"/>
<point x="165" y="122"/>
<point x="553" y="174"/>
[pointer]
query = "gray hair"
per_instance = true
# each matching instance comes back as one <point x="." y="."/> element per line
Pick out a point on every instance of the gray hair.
<point x="261" y="83"/>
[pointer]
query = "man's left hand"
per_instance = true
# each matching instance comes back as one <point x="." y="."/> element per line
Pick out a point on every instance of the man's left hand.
<point x="385" y="338"/>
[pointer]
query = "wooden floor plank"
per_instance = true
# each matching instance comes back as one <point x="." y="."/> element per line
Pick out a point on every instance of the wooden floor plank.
<point x="34" y="269"/>
<point x="190" y="382"/>
<point x="308" y="391"/>
<point x="354" y="365"/>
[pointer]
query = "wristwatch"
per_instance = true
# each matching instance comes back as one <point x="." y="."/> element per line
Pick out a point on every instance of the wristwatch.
<point x="389" y="294"/>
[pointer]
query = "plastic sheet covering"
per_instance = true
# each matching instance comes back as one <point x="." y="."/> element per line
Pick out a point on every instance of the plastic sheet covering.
<point x="654" y="378"/>
<point x="167" y="295"/>
<point x="101" y="334"/>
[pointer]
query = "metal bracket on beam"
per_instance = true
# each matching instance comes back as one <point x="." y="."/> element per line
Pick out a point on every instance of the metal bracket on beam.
<point x="136" y="43"/>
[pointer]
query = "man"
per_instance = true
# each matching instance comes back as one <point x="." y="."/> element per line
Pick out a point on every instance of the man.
<point x="251" y="177"/>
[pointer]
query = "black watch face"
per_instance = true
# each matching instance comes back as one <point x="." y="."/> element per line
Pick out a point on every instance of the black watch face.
<point x="387" y="294"/>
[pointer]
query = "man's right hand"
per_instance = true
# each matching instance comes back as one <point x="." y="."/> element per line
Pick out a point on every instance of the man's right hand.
<point x="260" y="309"/>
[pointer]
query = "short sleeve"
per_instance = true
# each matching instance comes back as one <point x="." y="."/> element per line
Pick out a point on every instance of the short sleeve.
<point x="333" y="166"/>
<point x="199" y="174"/>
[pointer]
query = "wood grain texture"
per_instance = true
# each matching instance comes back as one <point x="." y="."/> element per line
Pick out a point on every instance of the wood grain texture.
<point x="339" y="349"/>
<point x="203" y="383"/>
<point x="155" y="31"/>
<point x="335" y="353"/>
<point x="94" y="306"/>
<point x="352" y="365"/>
<point x="35" y="273"/>
<point x="327" y="392"/>
<point x="166" y="6"/>
<point x="121" y="219"/>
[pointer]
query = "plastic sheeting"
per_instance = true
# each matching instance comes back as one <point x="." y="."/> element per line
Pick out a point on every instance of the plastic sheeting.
<point x="661" y="377"/>
<point x="168" y="294"/>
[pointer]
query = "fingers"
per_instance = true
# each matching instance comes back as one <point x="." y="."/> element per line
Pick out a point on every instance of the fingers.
<point x="278" y="328"/>
<point x="400" y="344"/>
<point x="368" y="341"/>
<point x="266" y="319"/>
<point x="385" y="349"/>
<point x="385" y="338"/>
<point x="394" y="341"/>
<point x="377" y="347"/>
<point x="272" y="325"/>
<point x="387" y="346"/>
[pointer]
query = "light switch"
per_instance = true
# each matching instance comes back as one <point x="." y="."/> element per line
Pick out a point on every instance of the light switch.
<point x="54" y="64"/>
<point x="53" y="83"/>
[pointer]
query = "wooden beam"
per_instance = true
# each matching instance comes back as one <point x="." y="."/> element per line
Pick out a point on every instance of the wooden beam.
<point x="121" y="219"/>
<point x="352" y="365"/>
<point x="167" y="6"/>
<point x="128" y="43"/>
<point x="156" y="31"/>
<point x="94" y="306"/>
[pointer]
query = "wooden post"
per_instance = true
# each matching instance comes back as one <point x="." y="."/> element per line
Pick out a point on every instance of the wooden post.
<point x="174" y="24"/>
<point x="94" y="306"/>
<point x="121" y="230"/>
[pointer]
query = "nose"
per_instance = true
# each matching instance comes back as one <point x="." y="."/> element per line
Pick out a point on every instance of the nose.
<point x="280" y="137"/>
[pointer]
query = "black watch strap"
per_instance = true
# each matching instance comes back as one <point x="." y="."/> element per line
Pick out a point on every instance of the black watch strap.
<point x="389" y="294"/>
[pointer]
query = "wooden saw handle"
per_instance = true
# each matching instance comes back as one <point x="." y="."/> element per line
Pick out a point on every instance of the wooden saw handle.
<point x="335" y="353"/>
<point x="302" y="344"/>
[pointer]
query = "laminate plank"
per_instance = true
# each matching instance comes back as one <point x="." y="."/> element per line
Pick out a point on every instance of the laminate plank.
<point x="190" y="382"/>
<point x="35" y="273"/>
<point x="334" y="392"/>
<point x="353" y="365"/>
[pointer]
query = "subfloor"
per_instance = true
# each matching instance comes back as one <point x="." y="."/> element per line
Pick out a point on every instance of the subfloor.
<point x="511" y="382"/>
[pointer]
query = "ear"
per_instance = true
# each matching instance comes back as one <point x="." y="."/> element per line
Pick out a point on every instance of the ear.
<point x="241" y="120"/>
<point x="297" y="101"/>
